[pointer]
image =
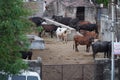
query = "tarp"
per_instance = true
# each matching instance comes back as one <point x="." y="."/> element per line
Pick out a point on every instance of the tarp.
<point x="37" y="42"/>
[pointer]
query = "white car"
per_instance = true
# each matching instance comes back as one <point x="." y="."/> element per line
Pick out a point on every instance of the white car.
<point x="25" y="75"/>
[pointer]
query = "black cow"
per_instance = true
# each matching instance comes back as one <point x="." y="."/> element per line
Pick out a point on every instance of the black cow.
<point x="63" y="20"/>
<point x="73" y="22"/>
<point x="37" y="20"/>
<point x="26" y="54"/>
<point x="88" y="27"/>
<point x="102" y="46"/>
<point x="57" y="18"/>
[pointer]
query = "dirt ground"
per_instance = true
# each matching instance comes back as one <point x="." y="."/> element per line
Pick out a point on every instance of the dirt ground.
<point x="57" y="52"/>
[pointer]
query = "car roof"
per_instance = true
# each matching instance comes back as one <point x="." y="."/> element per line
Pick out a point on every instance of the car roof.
<point x="29" y="73"/>
<point x="25" y="73"/>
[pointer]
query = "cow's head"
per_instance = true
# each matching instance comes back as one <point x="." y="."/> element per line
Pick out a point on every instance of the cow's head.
<point x="91" y="39"/>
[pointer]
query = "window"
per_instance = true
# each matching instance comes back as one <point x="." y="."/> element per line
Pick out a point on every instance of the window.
<point x="16" y="77"/>
<point x="32" y="78"/>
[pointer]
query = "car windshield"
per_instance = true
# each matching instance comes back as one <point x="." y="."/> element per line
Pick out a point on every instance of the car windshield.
<point x="16" y="77"/>
<point x="32" y="78"/>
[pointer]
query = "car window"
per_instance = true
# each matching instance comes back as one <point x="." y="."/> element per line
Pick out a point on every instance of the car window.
<point x="16" y="77"/>
<point x="32" y="78"/>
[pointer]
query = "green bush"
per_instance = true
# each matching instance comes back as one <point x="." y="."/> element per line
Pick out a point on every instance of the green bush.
<point x="13" y="28"/>
<point x="39" y="28"/>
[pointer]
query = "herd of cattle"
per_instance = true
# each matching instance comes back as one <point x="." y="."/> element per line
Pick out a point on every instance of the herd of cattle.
<point x="86" y="34"/>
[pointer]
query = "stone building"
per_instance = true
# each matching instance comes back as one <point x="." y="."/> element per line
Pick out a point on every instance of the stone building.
<point x="82" y="9"/>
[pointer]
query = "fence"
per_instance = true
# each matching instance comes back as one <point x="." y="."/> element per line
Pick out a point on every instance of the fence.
<point x="68" y="72"/>
<point x="100" y="70"/>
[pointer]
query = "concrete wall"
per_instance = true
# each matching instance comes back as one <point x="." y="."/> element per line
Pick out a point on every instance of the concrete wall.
<point x="90" y="13"/>
<point x="105" y="29"/>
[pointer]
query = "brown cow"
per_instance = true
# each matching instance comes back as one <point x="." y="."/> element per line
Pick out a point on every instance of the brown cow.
<point x="83" y="40"/>
<point x="50" y="28"/>
<point x="89" y="33"/>
<point x="83" y="22"/>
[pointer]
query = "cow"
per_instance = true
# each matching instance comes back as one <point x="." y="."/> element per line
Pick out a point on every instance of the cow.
<point x="57" y="18"/>
<point x="89" y="33"/>
<point x="26" y="54"/>
<point x="37" y="20"/>
<point x="102" y="46"/>
<point x="62" y="20"/>
<point x="50" y="28"/>
<point x="65" y="20"/>
<point x="73" y="22"/>
<point x="83" y="22"/>
<point x="88" y="27"/>
<point x="61" y="34"/>
<point x="83" y="40"/>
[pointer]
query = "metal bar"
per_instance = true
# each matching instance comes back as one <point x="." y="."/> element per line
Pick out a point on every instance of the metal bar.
<point x="112" y="61"/>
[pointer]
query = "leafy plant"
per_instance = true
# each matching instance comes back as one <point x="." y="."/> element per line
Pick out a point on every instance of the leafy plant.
<point x="13" y="27"/>
<point x="39" y="28"/>
<point x="105" y="2"/>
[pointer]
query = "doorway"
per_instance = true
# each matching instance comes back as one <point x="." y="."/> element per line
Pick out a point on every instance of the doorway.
<point x="80" y="13"/>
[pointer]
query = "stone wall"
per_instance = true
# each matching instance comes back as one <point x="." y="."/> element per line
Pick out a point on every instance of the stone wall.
<point x="36" y="7"/>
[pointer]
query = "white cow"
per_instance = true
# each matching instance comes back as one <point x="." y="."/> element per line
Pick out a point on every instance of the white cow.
<point x="62" y="34"/>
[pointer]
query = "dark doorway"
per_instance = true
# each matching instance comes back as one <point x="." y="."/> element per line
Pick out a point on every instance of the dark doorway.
<point x="80" y="13"/>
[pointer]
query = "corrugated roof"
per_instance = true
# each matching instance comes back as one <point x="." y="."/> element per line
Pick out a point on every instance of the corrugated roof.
<point x="77" y="3"/>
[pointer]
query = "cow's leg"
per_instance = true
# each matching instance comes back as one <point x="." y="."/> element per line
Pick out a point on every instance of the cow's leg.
<point x="94" y="55"/>
<point x="108" y="55"/>
<point x="76" y="48"/>
<point x="105" y="54"/>
<point x="51" y="34"/>
<point x="63" y="39"/>
<point x="23" y="54"/>
<point x="87" y="48"/>
<point x="66" y="40"/>
<point x="58" y="37"/>
<point x="39" y="34"/>
<point x="29" y="54"/>
<point x="43" y="33"/>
